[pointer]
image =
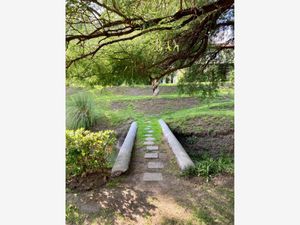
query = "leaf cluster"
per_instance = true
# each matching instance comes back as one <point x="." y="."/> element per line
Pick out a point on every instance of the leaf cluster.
<point x="207" y="82"/>
<point x="87" y="151"/>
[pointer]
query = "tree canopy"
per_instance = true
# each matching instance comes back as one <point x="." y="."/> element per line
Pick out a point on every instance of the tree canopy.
<point x="140" y="41"/>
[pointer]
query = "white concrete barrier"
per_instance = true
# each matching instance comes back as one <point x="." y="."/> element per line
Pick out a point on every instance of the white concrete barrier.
<point x="123" y="159"/>
<point x="183" y="159"/>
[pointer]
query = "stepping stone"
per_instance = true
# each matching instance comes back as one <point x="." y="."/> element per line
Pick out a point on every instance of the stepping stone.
<point x="150" y="131"/>
<point x="149" y="139"/>
<point x="152" y="177"/>
<point x="155" y="165"/>
<point x="152" y="148"/>
<point x="151" y="155"/>
<point x="148" y="143"/>
<point x="148" y="135"/>
<point x="147" y="128"/>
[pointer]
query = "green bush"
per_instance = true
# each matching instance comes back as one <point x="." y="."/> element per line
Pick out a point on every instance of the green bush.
<point x="87" y="151"/>
<point x="80" y="112"/>
<point x="206" y="166"/>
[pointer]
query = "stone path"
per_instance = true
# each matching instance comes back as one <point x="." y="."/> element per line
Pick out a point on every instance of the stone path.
<point x="151" y="153"/>
<point x="152" y="177"/>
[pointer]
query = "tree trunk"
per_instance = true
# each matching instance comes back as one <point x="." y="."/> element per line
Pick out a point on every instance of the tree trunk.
<point x="155" y="87"/>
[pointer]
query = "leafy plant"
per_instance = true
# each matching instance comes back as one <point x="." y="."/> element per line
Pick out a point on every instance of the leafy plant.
<point x="87" y="151"/>
<point x="80" y="112"/>
<point x="72" y="215"/>
<point x="206" y="166"/>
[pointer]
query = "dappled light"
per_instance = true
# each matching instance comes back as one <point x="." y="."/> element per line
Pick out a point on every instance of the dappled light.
<point x="130" y="203"/>
<point x="166" y="69"/>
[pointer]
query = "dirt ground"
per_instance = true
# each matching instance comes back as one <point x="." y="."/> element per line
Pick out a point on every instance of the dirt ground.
<point x="175" y="200"/>
<point x="88" y="182"/>
<point x="159" y="105"/>
<point x="138" y="91"/>
<point x="210" y="134"/>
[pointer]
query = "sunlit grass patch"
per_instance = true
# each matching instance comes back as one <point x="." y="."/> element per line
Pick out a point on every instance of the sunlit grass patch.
<point x="155" y="126"/>
<point x="207" y="166"/>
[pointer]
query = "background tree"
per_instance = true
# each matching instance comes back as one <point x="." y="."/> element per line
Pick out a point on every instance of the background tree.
<point x="143" y="41"/>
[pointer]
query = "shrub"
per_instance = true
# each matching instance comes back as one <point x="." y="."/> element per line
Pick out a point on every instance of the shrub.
<point x="87" y="151"/>
<point x="80" y="112"/>
<point x="206" y="166"/>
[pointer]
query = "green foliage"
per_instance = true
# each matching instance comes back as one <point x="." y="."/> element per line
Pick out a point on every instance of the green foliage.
<point x="129" y="59"/>
<point x="87" y="151"/>
<point x="80" y="112"/>
<point x="73" y="216"/>
<point x="231" y="78"/>
<point x="204" y="216"/>
<point x="206" y="166"/>
<point x="113" y="183"/>
<point x="204" y="82"/>
<point x="127" y="63"/>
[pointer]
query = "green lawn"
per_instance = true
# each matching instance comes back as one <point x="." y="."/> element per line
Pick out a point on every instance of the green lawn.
<point x="222" y="106"/>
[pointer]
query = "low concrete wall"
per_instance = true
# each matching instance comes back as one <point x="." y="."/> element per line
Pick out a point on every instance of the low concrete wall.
<point x="123" y="159"/>
<point x="183" y="159"/>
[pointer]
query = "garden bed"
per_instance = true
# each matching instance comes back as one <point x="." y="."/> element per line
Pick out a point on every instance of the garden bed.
<point x="210" y="135"/>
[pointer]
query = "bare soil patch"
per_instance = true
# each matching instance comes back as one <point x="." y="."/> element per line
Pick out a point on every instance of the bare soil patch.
<point x="88" y="181"/>
<point x="73" y="90"/>
<point x="210" y="134"/>
<point x="138" y="91"/>
<point x="156" y="106"/>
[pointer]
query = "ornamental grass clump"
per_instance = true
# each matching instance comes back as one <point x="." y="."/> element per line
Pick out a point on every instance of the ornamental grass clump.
<point x="88" y="152"/>
<point x="81" y="112"/>
<point x="207" y="166"/>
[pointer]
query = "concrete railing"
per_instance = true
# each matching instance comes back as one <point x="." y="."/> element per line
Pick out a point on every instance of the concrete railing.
<point x="123" y="159"/>
<point x="183" y="159"/>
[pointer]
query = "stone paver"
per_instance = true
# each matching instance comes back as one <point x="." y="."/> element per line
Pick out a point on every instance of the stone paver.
<point x="149" y="143"/>
<point x="149" y="139"/>
<point x="151" y="148"/>
<point x="153" y="155"/>
<point x="152" y="177"/>
<point x="155" y="165"/>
